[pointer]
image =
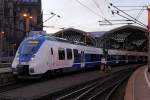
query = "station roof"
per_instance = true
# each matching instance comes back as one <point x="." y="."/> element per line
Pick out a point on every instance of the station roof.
<point x="127" y="37"/>
<point x="72" y="34"/>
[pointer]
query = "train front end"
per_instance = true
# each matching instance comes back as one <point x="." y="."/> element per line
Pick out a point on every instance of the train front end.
<point x="24" y="63"/>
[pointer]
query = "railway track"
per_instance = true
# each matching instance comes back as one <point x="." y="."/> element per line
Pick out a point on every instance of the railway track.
<point x="100" y="89"/>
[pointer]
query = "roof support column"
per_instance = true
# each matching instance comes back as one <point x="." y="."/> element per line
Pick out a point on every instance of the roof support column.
<point x="148" y="8"/>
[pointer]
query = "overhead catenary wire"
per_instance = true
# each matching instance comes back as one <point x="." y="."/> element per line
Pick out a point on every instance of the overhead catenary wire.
<point x="137" y="21"/>
<point x="117" y="23"/>
<point x="117" y="1"/>
<point x="131" y="6"/>
<point x="92" y="11"/>
<point x="107" y="4"/>
<point x="140" y="13"/>
<point x="128" y="19"/>
<point x="89" y="9"/>
<point x="97" y="5"/>
<point x="118" y="20"/>
<point x="49" y="18"/>
<point x="132" y="9"/>
<point x="124" y="16"/>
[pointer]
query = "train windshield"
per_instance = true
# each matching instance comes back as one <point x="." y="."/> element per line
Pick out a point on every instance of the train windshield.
<point x="29" y="47"/>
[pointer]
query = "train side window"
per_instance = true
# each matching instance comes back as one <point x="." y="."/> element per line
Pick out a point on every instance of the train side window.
<point x="61" y="54"/>
<point x="51" y="51"/>
<point x="75" y="52"/>
<point x="69" y="53"/>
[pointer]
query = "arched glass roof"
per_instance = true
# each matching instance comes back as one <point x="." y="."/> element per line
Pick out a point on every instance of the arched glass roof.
<point x="127" y="37"/>
<point x="76" y="35"/>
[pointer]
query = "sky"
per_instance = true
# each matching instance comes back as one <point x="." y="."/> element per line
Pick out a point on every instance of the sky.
<point x="86" y="14"/>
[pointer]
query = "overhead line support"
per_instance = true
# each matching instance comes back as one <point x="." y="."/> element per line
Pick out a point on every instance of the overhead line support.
<point x="140" y="23"/>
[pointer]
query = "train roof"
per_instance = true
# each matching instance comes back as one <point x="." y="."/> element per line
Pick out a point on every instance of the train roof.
<point x="53" y="38"/>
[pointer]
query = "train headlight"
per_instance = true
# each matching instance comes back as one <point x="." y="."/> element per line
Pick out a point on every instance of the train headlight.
<point x="33" y="58"/>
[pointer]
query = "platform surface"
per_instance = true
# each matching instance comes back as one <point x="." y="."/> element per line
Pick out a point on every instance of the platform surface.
<point x="138" y="87"/>
<point x="5" y="70"/>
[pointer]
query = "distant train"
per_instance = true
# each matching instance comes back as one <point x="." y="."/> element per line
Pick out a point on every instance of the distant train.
<point x="38" y="55"/>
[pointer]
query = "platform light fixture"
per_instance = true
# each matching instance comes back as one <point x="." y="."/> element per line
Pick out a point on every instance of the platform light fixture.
<point x="25" y="15"/>
<point x="30" y="17"/>
<point x="1" y="32"/>
<point x="26" y="18"/>
<point x="148" y="6"/>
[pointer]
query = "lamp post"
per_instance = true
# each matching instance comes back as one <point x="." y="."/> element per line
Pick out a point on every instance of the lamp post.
<point x="27" y="18"/>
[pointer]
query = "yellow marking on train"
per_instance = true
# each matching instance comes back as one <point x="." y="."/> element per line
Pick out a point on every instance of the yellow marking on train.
<point x="33" y="42"/>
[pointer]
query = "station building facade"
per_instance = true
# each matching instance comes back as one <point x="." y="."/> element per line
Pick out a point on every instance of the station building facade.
<point x="12" y="23"/>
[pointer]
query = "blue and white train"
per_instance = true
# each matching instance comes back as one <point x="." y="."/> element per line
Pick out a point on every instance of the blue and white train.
<point x="41" y="54"/>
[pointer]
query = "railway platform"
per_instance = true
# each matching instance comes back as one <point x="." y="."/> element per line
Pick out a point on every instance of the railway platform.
<point x="5" y="70"/>
<point x="6" y="76"/>
<point x="138" y="86"/>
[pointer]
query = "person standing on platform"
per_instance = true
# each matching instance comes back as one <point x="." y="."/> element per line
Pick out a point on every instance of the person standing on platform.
<point x="103" y="64"/>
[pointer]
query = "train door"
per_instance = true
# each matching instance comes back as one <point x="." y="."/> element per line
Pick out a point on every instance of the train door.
<point x="82" y="59"/>
<point x="51" y="58"/>
<point x="69" y="55"/>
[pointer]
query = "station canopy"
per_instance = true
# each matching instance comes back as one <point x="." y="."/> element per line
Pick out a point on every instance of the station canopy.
<point x="75" y="35"/>
<point x="127" y="37"/>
